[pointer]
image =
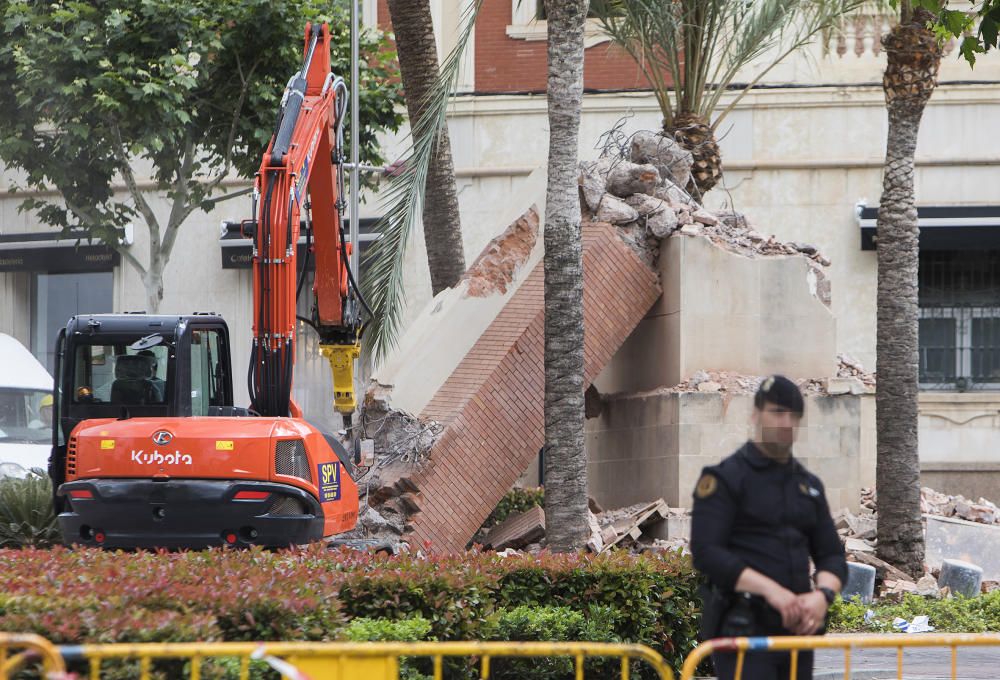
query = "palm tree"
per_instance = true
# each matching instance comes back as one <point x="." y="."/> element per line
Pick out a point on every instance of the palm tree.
<point x="691" y="52"/>
<point x="418" y="66"/>
<point x="565" y="459"/>
<point x="913" y="56"/>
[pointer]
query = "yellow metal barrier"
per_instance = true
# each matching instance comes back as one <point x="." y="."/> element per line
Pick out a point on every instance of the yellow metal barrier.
<point x="847" y="643"/>
<point x="358" y="660"/>
<point x="18" y="651"/>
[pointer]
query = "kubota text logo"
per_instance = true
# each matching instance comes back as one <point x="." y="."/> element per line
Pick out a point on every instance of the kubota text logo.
<point x="162" y="437"/>
<point x="157" y="458"/>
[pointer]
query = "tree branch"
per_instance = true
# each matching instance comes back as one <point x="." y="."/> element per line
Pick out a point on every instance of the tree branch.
<point x="126" y="253"/>
<point x="136" y="193"/>
<point x="227" y="162"/>
<point x="181" y="207"/>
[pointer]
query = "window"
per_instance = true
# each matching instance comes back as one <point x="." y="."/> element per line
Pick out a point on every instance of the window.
<point x="208" y="374"/>
<point x="119" y="375"/>
<point x="25" y="416"/>
<point x="960" y="320"/>
<point x="56" y="298"/>
<point x="527" y="22"/>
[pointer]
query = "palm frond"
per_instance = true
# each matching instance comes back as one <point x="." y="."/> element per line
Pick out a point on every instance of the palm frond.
<point x="700" y="46"/>
<point x="383" y="286"/>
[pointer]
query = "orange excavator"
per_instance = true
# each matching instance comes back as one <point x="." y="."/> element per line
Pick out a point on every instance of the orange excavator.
<point x="148" y="448"/>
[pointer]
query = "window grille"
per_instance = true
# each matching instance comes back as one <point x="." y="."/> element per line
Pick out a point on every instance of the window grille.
<point x="959" y="336"/>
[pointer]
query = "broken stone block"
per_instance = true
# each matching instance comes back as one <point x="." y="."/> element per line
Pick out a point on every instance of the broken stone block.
<point x="596" y="542"/>
<point x="518" y="530"/>
<point x="951" y="538"/>
<point x="860" y="582"/>
<point x="497" y="266"/>
<point x="673" y="193"/>
<point x="646" y="204"/>
<point x="981" y="513"/>
<point x="709" y="386"/>
<point x="704" y="217"/>
<point x="689" y="230"/>
<point x="884" y="570"/>
<point x="862" y="524"/>
<point x="662" y="224"/>
<point x="962" y="578"/>
<point x="625" y="179"/>
<point x="592" y="183"/>
<point x="615" y="211"/>
<point x="671" y="159"/>
<point x="856" y="545"/>
<point x="928" y="586"/>
<point x="837" y="385"/>
<point x="804" y="248"/>
<point x="866" y="535"/>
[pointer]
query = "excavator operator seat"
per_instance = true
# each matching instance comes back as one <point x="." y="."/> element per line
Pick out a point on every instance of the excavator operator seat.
<point x="133" y="383"/>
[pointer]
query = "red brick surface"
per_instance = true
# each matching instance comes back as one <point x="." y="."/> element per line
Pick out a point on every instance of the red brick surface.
<point x="504" y="64"/>
<point x="492" y="404"/>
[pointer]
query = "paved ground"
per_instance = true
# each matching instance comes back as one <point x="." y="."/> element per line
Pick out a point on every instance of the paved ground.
<point x="925" y="663"/>
<point x="919" y="663"/>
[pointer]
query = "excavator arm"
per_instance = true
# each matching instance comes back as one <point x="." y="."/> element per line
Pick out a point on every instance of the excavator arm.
<point x="300" y="175"/>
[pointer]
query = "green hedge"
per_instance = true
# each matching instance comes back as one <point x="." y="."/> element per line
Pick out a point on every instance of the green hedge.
<point x="317" y="594"/>
<point x="950" y="615"/>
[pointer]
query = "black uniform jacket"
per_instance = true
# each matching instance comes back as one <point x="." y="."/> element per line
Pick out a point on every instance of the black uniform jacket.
<point x="752" y="511"/>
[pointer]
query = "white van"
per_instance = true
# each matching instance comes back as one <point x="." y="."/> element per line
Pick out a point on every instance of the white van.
<point x="25" y="410"/>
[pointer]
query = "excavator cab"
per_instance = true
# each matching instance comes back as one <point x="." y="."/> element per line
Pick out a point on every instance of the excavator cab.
<point x="133" y="365"/>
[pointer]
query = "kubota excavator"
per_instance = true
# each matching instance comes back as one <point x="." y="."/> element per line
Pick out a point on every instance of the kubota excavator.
<point x="148" y="447"/>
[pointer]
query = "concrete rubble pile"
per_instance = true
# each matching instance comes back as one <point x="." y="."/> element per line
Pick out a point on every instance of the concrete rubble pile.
<point x="638" y="528"/>
<point x="640" y="192"/>
<point x="728" y="382"/>
<point x="858" y="533"/>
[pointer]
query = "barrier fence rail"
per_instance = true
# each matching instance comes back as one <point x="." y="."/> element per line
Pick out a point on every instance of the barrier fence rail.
<point x="18" y="650"/>
<point x="847" y="643"/>
<point x="332" y="660"/>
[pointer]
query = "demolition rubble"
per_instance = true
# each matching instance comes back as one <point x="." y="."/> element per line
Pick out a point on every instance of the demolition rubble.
<point x="654" y="527"/>
<point x="638" y="528"/>
<point x="456" y="423"/>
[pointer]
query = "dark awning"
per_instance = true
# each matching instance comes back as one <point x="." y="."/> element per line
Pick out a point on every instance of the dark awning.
<point x="237" y="251"/>
<point x="55" y="253"/>
<point x="944" y="227"/>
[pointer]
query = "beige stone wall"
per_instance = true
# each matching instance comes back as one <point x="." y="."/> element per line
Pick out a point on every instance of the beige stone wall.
<point x="728" y="312"/>
<point x="646" y="446"/>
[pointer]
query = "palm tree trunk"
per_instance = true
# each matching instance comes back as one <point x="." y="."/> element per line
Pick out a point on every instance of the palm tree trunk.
<point x="418" y="66"/>
<point x="565" y="459"/>
<point x="910" y="75"/>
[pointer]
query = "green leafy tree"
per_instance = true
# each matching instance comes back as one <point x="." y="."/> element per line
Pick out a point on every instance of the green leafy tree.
<point x="961" y="24"/>
<point x="167" y="97"/>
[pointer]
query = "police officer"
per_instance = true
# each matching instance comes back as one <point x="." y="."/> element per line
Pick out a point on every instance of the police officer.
<point x="757" y="519"/>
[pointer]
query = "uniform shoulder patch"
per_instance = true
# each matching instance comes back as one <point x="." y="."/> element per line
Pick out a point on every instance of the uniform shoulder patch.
<point x="706" y="485"/>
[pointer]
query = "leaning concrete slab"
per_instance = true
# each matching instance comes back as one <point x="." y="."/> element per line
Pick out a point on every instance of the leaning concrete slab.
<point x="489" y="408"/>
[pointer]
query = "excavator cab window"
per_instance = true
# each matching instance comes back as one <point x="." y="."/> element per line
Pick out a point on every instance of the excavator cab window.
<point x="207" y="372"/>
<point x="119" y="375"/>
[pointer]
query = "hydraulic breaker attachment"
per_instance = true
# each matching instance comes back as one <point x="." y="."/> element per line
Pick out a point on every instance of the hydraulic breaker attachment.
<point x="341" y="358"/>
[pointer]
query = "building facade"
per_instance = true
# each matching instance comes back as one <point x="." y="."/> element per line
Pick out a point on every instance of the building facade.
<point x="802" y="159"/>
